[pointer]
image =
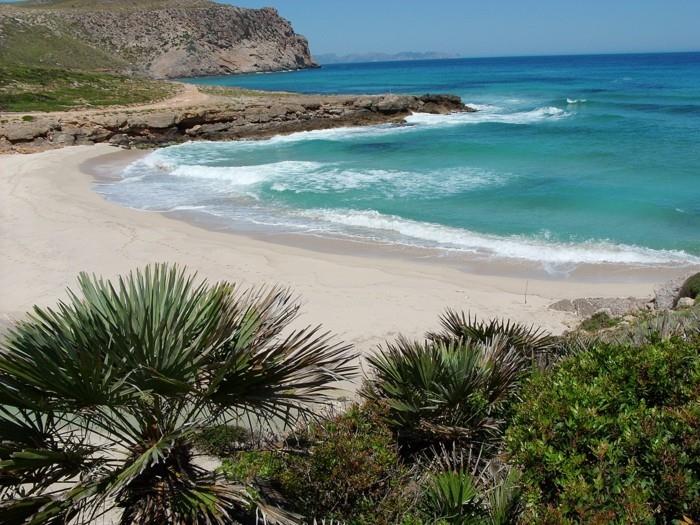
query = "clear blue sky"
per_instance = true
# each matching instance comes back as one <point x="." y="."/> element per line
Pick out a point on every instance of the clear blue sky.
<point x="492" y="27"/>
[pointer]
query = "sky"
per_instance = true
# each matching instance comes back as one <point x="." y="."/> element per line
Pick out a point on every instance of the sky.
<point x="492" y="27"/>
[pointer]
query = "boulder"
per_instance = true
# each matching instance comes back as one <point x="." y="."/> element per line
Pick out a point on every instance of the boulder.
<point x="391" y="104"/>
<point x="25" y="131"/>
<point x="613" y="306"/>
<point x="154" y="120"/>
<point x="665" y="296"/>
<point x="685" y="302"/>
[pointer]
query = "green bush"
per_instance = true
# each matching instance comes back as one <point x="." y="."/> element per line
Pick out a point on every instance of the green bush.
<point x="612" y="435"/>
<point x="691" y="287"/>
<point x="599" y="321"/>
<point x="221" y="440"/>
<point x="346" y="468"/>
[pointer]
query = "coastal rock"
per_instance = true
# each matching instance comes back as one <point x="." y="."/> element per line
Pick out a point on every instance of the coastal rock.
<point x="665" y="296"/>
<point x="24" y="130"/>
<point x="615" y="307"/>
<point x="155" y="120"/>
<point x="685" y="302"/>
<point x="392" y="104"/>
<point x="255" y="116"/>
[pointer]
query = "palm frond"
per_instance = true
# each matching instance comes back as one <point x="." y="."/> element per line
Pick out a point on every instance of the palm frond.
<point x="530" y="341"/>
<point x="140" y="365"/>
<point x="452" y="390"/>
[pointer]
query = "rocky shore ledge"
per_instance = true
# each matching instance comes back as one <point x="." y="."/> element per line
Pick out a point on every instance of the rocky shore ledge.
<point x="216" y="115"/>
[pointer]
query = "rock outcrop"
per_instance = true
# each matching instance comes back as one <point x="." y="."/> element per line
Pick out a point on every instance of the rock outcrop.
<point x="254" y="116"/>
<point x="172" y="38"/>
<point x="614" y="306"/>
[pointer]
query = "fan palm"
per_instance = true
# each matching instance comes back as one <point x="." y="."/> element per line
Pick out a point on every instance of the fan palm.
<point x="445" y="391"/>
<point x="534" y="343"/>
<point x="463" y="488"/>
<point x="100" y="398"/>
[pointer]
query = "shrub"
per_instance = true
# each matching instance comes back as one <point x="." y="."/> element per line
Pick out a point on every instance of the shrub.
<point x="599" y="321"/>
<point x="221" y="440"/>
<point x="345" y="468"/>
<point x="445" y="391"/>
<point x="691" y="287"/>
<point x="612" y="435"/>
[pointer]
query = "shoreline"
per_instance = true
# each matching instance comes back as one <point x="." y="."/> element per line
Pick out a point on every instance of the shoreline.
<point x="211" y="113"/>
<point x="55" y="225"/>
<point x="106" y="168"/>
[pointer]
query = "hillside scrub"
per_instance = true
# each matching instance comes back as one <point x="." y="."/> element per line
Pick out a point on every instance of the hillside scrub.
<point x="25" y="88"/>
<point x="612" y="435"/>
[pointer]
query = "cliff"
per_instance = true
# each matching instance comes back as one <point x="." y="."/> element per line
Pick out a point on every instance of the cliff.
<point x="156" y="38"/>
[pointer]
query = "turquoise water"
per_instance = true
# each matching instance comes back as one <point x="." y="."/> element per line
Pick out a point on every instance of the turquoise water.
<point x="589" y="159"/>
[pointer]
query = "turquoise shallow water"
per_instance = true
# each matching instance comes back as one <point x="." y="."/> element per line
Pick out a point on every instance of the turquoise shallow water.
<point x="569" y="160"/>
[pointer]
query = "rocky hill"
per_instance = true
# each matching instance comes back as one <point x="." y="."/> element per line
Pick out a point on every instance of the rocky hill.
<point x="157" y="38"/>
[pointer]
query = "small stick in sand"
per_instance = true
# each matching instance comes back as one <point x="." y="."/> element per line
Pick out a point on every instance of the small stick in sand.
<point x="527" y="284"/>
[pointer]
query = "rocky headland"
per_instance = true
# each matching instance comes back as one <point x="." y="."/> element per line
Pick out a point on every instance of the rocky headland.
<point x="213" y="114"/>
<point x="155" y="38"/>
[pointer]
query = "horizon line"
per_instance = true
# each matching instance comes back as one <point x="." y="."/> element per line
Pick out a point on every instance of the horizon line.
<point x="479" y="57"/>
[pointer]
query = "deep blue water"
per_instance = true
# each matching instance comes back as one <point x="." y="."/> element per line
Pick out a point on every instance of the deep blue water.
<point x="568" y="160"/>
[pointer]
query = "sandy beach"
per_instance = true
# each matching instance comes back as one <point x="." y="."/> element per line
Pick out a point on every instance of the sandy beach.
<point x="53" y="225"/>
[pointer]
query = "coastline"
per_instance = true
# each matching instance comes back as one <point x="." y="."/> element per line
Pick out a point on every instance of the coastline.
<point x="107" y="168"/>
<point x="55" y="225"/>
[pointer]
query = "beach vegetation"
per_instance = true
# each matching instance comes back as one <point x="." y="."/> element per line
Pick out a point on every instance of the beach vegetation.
<point x="612" y="435"/>
<point x="529" y="342"/>
<point x="691" y="287"/>
<point x="346" y="467"/>
<point x="104" y="395"/>
<point x="222" y="440"/>
<point x="29" y="88"/>
<point x="442" y="392"/>
<point x="109" y="400"/>
<point x="599" y="321"/>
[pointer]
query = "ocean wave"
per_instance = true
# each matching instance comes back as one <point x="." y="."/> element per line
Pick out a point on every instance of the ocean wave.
<point x="389" y="183"/>
<point x="232" y="175"/>
<point x="573" y="101"/>
<point x="482" y="107"/>
<point x="246" y="175"/>
<point x="424" y="234"/>
<point x="316" y="177"/>
<point x="480" y="117"/>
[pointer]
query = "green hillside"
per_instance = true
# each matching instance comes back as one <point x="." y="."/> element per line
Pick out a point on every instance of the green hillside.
<point x="50" y="89"/>
<point x="38" y="46"/>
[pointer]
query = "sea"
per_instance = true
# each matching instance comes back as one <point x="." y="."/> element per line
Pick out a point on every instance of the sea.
<point x="569" y="160"/>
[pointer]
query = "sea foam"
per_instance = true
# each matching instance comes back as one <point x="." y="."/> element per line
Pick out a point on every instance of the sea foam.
<point x="377" y="225"/>
<point x="480" y="117"/>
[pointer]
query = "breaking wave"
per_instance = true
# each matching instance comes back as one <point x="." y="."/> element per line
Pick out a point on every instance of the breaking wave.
<point x="377" y="225"/>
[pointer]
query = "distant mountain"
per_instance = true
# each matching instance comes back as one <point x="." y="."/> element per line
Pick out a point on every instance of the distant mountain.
<point x="332" y="58"/>
<point x="156" y="38"/>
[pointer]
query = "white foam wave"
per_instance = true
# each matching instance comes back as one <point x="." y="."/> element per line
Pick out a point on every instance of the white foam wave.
<point x="232" y="175"/>
<point x="482" y="107"/>
<point x="480" y="117"/>
<point x="246" y="175"/>
<point x="573" y="101"/>
<point x="388" y="183"/>
<point x="513" y="247"/>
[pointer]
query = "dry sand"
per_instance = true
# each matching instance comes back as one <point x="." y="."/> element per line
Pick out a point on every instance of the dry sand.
<point x="53" y="225"/>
